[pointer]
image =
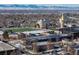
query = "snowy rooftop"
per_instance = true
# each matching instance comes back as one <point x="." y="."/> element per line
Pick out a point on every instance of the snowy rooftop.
<point x="1" y="32"/>
<point x="5" y="46"/>
<point x="37" y="31"/>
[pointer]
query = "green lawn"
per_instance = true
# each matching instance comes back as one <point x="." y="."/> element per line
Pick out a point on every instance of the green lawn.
<point x="20" y="29"/>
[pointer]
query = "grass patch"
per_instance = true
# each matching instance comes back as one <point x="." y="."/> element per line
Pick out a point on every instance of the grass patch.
<point x="20" y="29"/>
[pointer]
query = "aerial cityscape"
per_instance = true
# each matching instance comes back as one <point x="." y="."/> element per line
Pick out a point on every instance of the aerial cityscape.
<point x="39" y="29"/>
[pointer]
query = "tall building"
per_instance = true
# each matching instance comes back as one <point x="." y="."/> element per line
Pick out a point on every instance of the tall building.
<point x="61" y="20"/>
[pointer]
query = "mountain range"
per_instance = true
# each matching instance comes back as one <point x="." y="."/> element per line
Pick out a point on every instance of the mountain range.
<point x="41" y="6"/>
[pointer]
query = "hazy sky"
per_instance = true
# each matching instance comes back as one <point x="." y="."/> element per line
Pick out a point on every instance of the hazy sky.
<point x="39" y="5"/>
<point x="8" y="6"/>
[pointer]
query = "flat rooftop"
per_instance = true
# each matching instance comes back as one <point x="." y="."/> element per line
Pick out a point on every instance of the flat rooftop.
<point x="49" y="37"/>
<point x="37" y="31"/>
<point x="5" y="46"/>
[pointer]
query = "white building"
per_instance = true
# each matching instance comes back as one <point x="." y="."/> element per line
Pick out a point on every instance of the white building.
<point x="43" y="23"/>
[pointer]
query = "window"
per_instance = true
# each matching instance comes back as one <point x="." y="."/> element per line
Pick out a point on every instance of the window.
<point x="42" y="40"/>
<point x="2" y="53"/>
<point x="77" y="52"/>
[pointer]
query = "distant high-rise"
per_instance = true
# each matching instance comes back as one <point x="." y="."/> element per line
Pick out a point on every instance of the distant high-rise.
<point x="61" y="21"/>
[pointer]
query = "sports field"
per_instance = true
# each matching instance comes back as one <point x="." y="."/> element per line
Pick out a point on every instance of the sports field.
<point x="20" y="29"/>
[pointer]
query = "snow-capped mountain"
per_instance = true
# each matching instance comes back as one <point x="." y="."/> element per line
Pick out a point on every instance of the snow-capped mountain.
<point x="39" y="8"/>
